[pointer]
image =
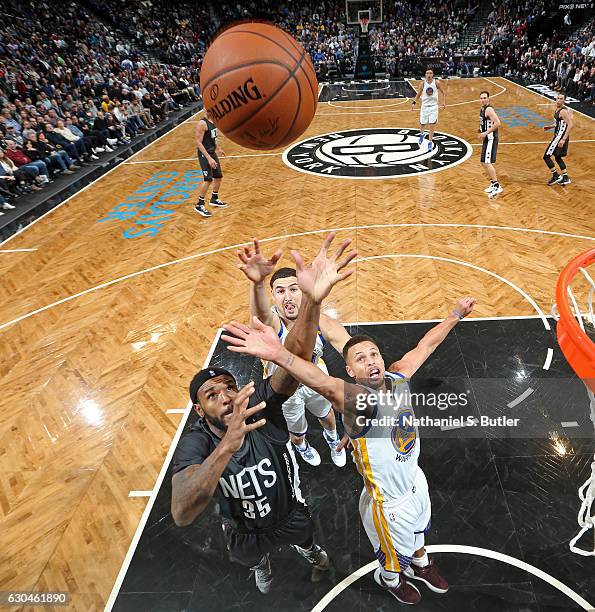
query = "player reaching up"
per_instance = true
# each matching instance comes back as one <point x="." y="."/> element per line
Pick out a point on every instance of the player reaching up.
<point x="394" y="504"/>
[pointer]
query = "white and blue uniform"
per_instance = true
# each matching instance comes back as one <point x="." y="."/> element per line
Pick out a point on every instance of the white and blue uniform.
<point x="294" y="409"/>
<point x="395" y="503"/>
<point x="428" y="112"/>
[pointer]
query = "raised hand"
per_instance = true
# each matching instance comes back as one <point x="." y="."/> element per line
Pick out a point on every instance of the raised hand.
<point x="254" y="265"/>
<point x="237" y="427"/>
<point x="259" y="340"/>
<point x="318" y="278"/>
<point x="465" y="305"/>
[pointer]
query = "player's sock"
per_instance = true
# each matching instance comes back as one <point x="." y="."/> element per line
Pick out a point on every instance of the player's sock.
<point x="201" y="201"/>
<point x="331" y="434"/>
<point x="391" y="579"/>
<point x="421" y="561"/>
<point x="214" y="196"/>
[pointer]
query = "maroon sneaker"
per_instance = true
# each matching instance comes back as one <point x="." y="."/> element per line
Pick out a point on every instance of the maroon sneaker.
<point x="429" y="575"/>
<point x="405" y="593"/>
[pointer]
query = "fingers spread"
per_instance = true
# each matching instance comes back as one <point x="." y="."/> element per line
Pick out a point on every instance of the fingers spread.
<point x="233" y="340"/>
<point x="327" y="243"/>
<point x="346" y="260"/>
<point x="299" y="262"/>
<point x="342" y="248"/>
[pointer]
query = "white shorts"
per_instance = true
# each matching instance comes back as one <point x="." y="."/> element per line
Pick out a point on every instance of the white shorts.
<point x="294" y="409"/>
<point x="428" y="115"/>
<point x="396" y="529"/>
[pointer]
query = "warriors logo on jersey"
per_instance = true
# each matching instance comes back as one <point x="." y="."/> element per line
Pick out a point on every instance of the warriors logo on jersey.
<point x="403" y="435"/>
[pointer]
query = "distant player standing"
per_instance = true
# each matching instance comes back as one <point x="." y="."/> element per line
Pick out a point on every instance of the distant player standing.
<point x="206" y="143"/>
<point x="488" y="130"/>
<point x="558" y="147"/>
<point x="428" y="113"/>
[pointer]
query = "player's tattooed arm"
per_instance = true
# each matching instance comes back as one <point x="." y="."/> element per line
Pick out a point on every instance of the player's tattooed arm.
<point x="261" y="341"/>
<point x="193" y="487"/>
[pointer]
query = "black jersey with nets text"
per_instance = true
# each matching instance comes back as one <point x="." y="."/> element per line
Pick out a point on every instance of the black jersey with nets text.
<point x="485" y="123"/>
<point x="260" y="485"/>
<point x="209" y="139"/>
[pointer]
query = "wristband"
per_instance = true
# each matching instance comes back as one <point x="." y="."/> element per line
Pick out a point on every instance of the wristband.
<point x="460" y="316"/>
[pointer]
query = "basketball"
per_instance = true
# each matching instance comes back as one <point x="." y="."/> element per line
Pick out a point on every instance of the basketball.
<point x="259" y="86"/>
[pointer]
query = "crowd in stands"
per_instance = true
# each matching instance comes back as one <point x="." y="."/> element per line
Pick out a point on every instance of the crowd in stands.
<point x="411" y="30"/>
<point x="76" y="80"/>
<point x="176" y="31"/>
<point x="72" y="92"/>
<point x="318" y="25"/>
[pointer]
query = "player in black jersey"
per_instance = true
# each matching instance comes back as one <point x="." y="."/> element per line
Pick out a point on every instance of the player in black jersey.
<point x="558" y="147"/>
<point x="206" y="142"/>
<point x="239" y="449"/>
<point x="488" y="129"/>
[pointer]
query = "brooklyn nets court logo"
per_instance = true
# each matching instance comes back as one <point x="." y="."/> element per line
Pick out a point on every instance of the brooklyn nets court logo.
<point x="375" y="153"/>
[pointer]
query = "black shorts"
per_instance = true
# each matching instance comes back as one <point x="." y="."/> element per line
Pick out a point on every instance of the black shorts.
<point x="553" y="149"/>
<point x="489" y="149"/>
<point x="249" y="547"/>
<point x="208" y="172"/>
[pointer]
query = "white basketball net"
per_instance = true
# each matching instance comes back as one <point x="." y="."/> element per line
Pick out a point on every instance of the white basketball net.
<point x="586" y="493"/>
<point x="586" y="514"/>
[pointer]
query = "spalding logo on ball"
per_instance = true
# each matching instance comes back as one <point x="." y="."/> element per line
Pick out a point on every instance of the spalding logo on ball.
<point x="259" y="86"/>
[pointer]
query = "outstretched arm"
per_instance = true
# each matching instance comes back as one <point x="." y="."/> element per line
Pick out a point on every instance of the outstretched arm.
<point x="193" y="486"/>
<point x="261" y="341"/>
<point x="334" y="332"/>
<point x="257" y="268"/>
<point x="414" y="359"/>
<point x="316" y="281"/>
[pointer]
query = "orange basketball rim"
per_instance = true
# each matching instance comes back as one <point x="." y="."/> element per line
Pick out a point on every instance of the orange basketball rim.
<point x="574" y="342"/>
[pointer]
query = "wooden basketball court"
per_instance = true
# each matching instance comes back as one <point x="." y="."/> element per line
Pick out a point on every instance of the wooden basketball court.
<point x="110" y="302"/>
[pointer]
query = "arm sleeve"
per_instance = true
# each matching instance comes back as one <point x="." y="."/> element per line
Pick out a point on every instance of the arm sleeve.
<point x="263" y="392"/>
<point x="192" y="449"/>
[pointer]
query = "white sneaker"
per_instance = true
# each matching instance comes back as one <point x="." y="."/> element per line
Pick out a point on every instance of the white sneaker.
<point x="1" y="213"/>
<point x="496" y="191"/>
<point x="7" y="206"/>
<point x="489" y="189"/>
<point x="309" y="455"/>
<point x="99" y="150"/>
<point x="316" y="556"/>
<point x="339" y="458"/>
<point x="93" y="156"/>
<point x="112" y="141"/>
<point x="263" y="574"/>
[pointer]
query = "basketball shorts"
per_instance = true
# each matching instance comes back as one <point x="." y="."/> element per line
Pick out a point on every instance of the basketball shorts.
<point x="294" y="409"/>
<point x="210" y="173"/>
<point x="396" y="528"/>
<point x="553" y="149"/>
<point x="428" y="115"/>
<point x="489" y="149"/>
<point x="249" y="547"/>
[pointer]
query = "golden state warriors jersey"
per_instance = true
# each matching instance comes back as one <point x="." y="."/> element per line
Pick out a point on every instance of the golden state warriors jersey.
<point x="429" y="94"/>
<point x="269" y="367"/>
<point x="387" y="451"/>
